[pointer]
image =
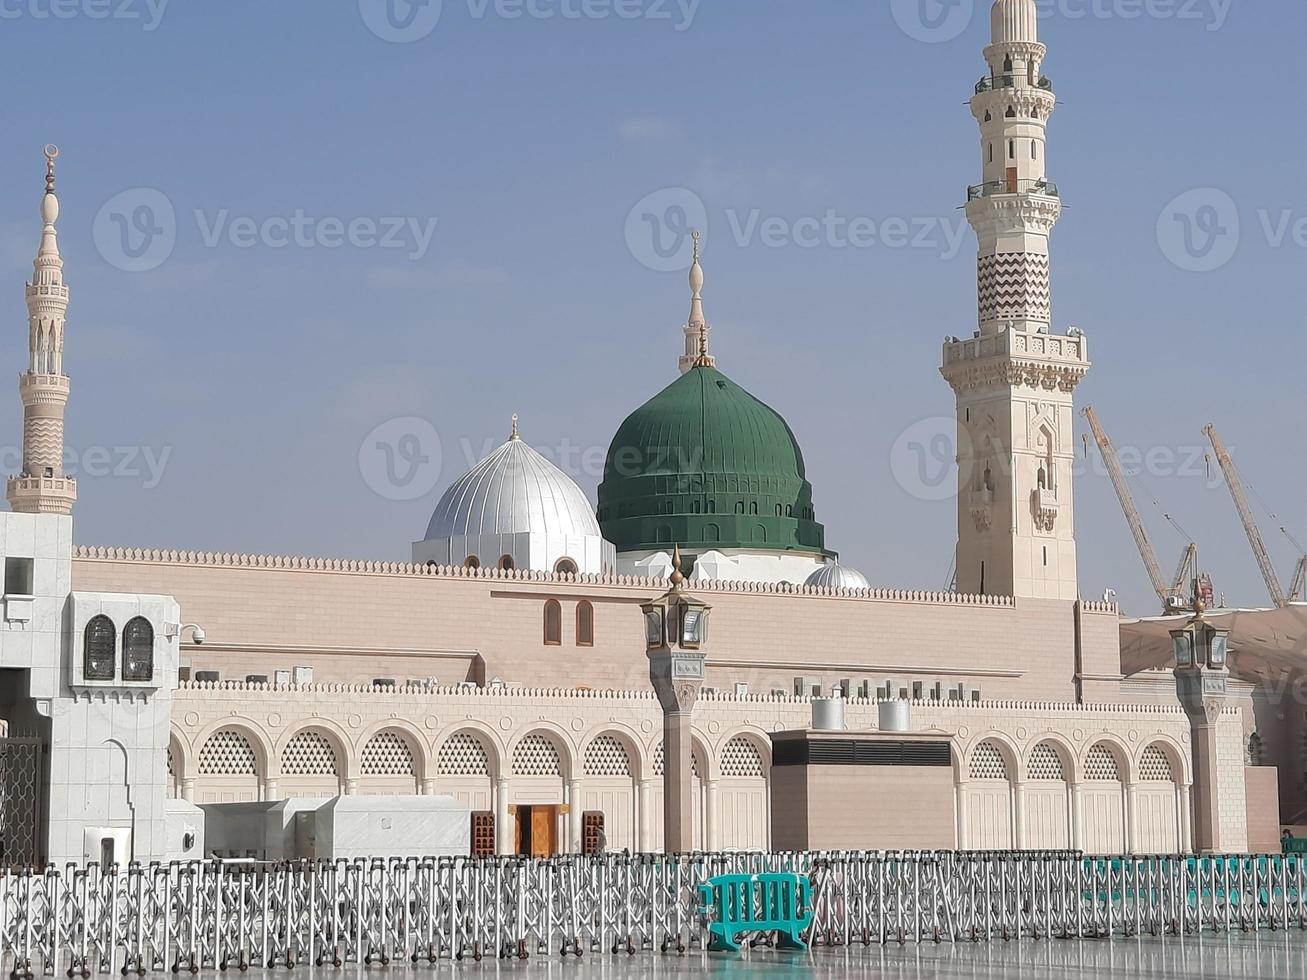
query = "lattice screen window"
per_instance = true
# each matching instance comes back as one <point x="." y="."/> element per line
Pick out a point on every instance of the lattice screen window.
<point x="309" y="754"/>
<point x="536" y="755"/>
<point x="593" y="839"/>
<point x="228" y="753"/>
<point x="1154" y="766"/>
<point x="1046" y="763"/>
<point x="658" y="762"/>
<point x="1101" y="764"/>
<point x="172" y="768"/>
<point x="987" y="762"/>
<point x="463" y="755"/>
<point x="388" y="754"/>
<point x="740" y="757"/>
<point x="607" y="756"/>
<point x="483" y="833"/>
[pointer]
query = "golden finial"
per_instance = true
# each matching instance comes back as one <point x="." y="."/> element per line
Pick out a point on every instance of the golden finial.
<point x="677" y="576"/>
<point x="703" y="360"/>
<point x="515" y="435"/>
<point x="51" y="155"/>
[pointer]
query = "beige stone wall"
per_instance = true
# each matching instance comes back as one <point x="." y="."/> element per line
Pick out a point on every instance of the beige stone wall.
<point x="1263" y="809"/>
<point x="509" y="729"/>
<point x="354" y="622"/>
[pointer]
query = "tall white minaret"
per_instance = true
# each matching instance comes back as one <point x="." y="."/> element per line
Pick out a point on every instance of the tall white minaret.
<point x="42" y="487"/>
<point x="696" y="328"/>
<point x="1014" y="378"/>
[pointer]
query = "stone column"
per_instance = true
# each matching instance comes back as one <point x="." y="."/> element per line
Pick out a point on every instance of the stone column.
<point x="1077" y="818"/>
<point x="270" y="789"/>
<point x="503" y="822"/>
<point x="712" y="828"/>
<point x="428" y="787"/>
<point x="1131" y="817"/>
<point x="646" y="836"/>
<point x="188" y="790"/>
<point x="575" y="823"/>
<point x="964" y="832"/>
<point x="1186" y="823"/>
<point x="678" y="779"/>
<point x="1206" y="801"/>
<point x="352" y="787"/>
<point x="1019" y="815"/>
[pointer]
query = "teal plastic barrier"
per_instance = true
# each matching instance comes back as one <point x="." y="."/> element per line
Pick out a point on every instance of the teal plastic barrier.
<point x="737" y="904"/>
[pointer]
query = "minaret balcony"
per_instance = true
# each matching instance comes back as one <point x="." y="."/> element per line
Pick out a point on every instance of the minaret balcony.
<point x="992" y="83"/>
<point x="993" y="188"/>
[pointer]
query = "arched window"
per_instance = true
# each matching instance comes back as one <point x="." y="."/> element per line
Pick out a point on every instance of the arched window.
<point x="1007" y="63"/>
<point x="553" y="623"/>
<point x="1011" y="112"/>
<point x="989" y="116"/>
<point x="780" y="511"/>
<point x="739" y="507"/>
<point x="98" y="650"/>
<point x="472" y="561"/>
<point x="1034" y="149"/>
<point x="753" y="508"/>
<point x="1011" y="149"/>
<point x="585" y="624"/>
<point x="506" y="563"/>
<point x="663" y="535"/>
<point x="991" y="152"/>
<point x="565" y="566"/>
<point x="138" y="650"/>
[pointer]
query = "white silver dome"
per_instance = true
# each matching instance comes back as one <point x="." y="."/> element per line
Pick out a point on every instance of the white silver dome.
<point x="514" y="490"/>
<point x="833" y="575"/>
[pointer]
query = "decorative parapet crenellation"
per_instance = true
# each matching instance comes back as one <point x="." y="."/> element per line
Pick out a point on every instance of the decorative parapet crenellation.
<point x="607" y="580"/>
<point x="505" y="692"/>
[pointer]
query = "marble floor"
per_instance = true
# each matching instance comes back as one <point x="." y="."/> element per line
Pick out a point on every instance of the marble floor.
<point x="1267" y="956"/>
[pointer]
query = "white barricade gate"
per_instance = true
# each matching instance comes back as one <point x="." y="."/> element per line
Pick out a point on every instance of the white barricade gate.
<point x="188" y="917"/>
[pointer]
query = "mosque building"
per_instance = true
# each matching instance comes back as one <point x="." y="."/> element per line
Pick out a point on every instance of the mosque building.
<point x="505" y="665"/>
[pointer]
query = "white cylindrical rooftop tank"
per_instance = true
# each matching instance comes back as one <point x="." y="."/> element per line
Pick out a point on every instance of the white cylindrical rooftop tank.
<point x="828" y="715"/>
<point x="895" y="716"/>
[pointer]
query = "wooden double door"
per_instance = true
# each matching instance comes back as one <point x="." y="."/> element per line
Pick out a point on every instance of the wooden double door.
<point x="537" y="830"/>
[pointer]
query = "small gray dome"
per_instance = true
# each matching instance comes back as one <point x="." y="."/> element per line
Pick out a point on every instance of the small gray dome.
<point x="833" y="575"/>
<point x="513" y="490"/>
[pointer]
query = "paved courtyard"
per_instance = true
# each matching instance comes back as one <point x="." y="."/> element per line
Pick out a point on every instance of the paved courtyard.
<point x="1265" y="957"/>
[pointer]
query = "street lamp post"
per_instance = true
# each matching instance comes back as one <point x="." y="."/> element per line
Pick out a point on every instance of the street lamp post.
<point x="1201" y="683"/>
<point x="676" y="628"/>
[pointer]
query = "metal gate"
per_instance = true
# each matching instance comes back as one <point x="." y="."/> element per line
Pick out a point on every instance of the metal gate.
<point x="20" y="802"/>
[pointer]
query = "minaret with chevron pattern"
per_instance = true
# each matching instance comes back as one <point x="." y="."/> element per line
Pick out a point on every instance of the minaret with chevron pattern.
<point x="42" y="487"/>
<point x="1014" y="378"/>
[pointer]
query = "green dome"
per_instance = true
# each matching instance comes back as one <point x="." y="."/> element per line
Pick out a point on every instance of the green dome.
<point x="705" y="465"/>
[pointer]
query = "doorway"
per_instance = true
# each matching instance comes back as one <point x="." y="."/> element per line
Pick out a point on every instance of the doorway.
<point x="537" y="830"/>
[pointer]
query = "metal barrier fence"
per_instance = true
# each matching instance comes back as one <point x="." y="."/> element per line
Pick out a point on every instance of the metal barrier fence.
<point x="220" y="915"/>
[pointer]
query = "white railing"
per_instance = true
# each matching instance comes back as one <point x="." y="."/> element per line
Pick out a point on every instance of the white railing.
<point x="220" y="915"/>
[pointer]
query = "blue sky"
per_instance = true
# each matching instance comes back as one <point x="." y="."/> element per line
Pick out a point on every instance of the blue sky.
<point x="463" y="252"/>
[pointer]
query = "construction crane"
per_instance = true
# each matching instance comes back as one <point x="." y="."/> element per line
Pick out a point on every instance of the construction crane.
<point x="1171" y="595"/>
<point x="1250" y="528"/>
<point x="1299" y="586"/>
